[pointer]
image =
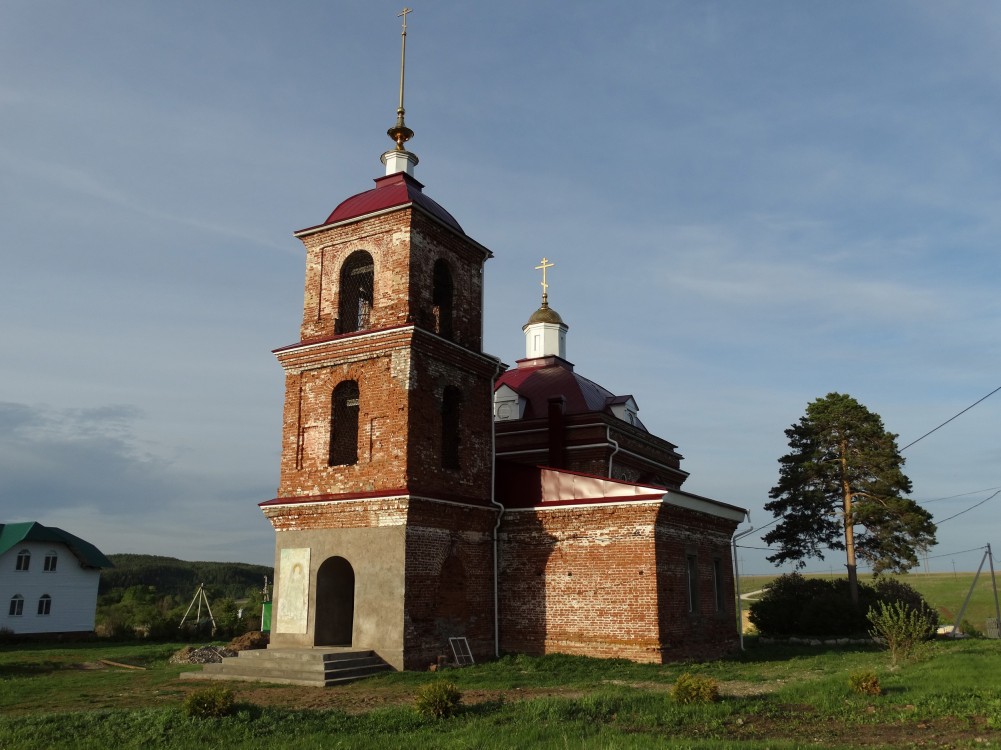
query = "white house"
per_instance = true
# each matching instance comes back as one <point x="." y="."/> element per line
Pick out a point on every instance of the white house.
<point x="48" y="579"/>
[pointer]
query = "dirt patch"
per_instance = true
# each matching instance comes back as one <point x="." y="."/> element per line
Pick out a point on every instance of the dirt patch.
<point x="946" y="732"/>
<point x="730" y="689"/>
<point x="89" y="666"/>
<point x="359" y="697"/>
<point x="797" y="724"/>
<point x="248" y="641"/>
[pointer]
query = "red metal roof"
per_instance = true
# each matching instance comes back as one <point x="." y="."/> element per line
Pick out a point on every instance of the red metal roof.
<point x="393" y="190"/>
<point x="552" y="377"/>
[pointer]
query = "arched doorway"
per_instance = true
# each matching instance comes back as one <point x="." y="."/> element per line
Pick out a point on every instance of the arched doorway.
<point x="335" y="603"/>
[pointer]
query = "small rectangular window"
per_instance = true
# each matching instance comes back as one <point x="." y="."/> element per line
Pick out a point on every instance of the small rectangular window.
<point x="23" y="560"/>
<point x="693" y="584"/>
<point x="718" y="584"/>
<point x="16" y="606"/>
<point x="45" y="605"/>
<point x="50" y="562"/>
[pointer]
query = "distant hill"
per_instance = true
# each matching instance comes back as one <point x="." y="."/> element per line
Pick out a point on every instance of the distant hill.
<point x="181" y="578"/>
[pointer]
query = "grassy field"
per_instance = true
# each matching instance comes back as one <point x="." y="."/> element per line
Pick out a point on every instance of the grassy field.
<point x="82" y="697"/>
<point x="944" y="591"/>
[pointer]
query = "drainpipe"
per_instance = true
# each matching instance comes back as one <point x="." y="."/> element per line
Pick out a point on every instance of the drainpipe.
<point x="608" y="436"/>
<point x="736" y="580"/>
<point x="500" y="511"/>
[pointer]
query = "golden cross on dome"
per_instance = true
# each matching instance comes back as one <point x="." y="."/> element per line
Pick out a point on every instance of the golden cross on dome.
<point x="545" y="287"/>
<point x="400" y="133"/>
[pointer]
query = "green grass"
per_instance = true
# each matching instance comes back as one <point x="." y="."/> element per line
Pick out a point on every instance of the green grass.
<point x="68" y="677"/>
<point x="946" y="592"/>
<point x="774" y="697"/>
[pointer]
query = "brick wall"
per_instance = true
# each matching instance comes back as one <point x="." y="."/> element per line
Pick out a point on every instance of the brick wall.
<point x="404" y="246"/>
<point x="449" y="581"/>
<point x="401" y="375"/>
<point x="611" y="580"/>
<point x="401" y="369"/>
<point x="708" y="632"/>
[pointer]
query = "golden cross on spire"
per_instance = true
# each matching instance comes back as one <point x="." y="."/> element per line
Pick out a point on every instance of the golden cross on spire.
<point x="400" y="133"/>
<point x="403" y="57"/>
<point x="545" y="287"/>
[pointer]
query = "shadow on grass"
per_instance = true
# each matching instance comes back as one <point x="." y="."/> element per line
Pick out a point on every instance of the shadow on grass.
<point x="38" y="670"/>
<point x="754" y="651"/>
<point x="483" y="708"/>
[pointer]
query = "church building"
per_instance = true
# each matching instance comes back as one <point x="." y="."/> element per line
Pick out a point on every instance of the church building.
<point x="428" y="492"/>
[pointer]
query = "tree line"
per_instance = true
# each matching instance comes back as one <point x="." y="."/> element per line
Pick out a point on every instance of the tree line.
<point x="181" y="578"/>
<point x="148" y="595"/>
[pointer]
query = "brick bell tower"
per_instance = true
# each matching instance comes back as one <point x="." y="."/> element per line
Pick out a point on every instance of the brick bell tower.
<point x="383" y="517"/>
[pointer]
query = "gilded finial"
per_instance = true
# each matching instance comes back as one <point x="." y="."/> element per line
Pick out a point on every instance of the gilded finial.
<point x="400" y="133"/>
<point x="545" y="287"/>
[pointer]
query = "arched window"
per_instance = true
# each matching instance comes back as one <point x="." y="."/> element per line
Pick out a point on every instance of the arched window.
<point x="23" y="560"/>
<point x="16" y="606"/>
<point x="441" y="299"/>
<point x="344" y="424"/>
<point x="50" y="561"/>
<point x="356" y="290"/>
<point x="451" y="401"/>
<point x="44" y="604"/>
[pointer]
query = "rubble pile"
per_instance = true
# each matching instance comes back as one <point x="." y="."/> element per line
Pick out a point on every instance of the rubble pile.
<point x="203" y="655"/>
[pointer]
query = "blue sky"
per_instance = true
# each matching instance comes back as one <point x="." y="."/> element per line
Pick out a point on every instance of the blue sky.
<point x="749" y="205"/>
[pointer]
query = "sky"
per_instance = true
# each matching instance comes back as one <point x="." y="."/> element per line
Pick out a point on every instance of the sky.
<point x="749" y="205"/>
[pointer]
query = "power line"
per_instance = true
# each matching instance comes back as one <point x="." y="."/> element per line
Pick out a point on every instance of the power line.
<point x="953" y="497"/>
<point x="954" y="554"/>
<point x="952" y="418"/>
<point x="939" y="523"/>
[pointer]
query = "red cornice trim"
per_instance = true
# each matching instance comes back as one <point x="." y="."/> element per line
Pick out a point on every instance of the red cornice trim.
<point x="330" y="498"/>
<point x="339" y="337"/>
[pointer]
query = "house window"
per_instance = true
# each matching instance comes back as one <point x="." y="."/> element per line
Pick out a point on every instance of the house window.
<point x="441" y="300"/>
<point x="16" y="606"/>
<point x="718" y="584"/>
<point x="44" y="605"/>
<point x="50" y="562"/>
<point x="356" y="293"/>
<point x="693" y="583"/>
<point x="450" y="403"/>
<point x="344" y="424"/>
<point x="23" y="560"/>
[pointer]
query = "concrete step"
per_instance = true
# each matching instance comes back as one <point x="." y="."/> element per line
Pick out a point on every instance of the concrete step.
<point x="317" y="667"/>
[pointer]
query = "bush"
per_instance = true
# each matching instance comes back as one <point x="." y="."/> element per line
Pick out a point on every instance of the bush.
<point x="209" y="703"/>
<point x="889" y="590"/>
<point x="865" y="682"/>
<point x="439" y="699"/>
<point x="900" y="628"/>
<point x="967" y="628"/>
<point x="693" y="688"/>
<point x="797" y="606"/>
<point x="794" y="605"/>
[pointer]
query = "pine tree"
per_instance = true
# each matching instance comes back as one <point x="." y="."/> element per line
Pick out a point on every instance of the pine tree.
<point x="842" y="486"/>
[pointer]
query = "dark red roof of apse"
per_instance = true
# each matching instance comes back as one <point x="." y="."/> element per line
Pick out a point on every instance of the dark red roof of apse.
<point x="552" y="377"/>
<point x="393" y="190"/>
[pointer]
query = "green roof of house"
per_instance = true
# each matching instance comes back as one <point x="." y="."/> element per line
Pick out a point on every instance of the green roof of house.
<point x="13" y="534"/>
